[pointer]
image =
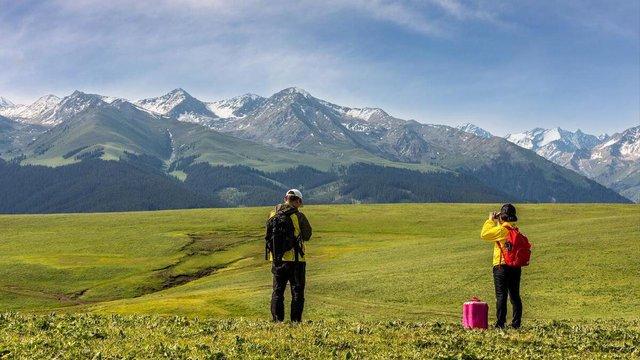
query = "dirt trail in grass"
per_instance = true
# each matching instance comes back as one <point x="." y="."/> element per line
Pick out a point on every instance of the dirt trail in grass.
<point x="68" y="299"/>
<point x="198" y="245"/>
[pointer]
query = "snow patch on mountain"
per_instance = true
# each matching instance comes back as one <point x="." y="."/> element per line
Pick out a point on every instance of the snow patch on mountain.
<point x="180" y="105"/>
<point x="475" y="130"/>
<point x="72" y="105"/>
<point x="191" y="118"/>
<point x="50" y="110"/>
<point x="564" y="140"/>
<point x="527" y="139"/>
<point x="222" y="109"/>
<point x="111" y="99"/>
<point x="359" y="127"/>
<point x="627" y="144"/>
<point x="40" y="112"/>
<point x="13" y="111"/>
<point x="365" y="113"/>
<point x="4" y="102"/>
<point x="164" y="104"/>
<point x="236" y="107"/>
<point x="630" y="151"/>
<point x="297" y="90"/>
<point x="549" y="136"/>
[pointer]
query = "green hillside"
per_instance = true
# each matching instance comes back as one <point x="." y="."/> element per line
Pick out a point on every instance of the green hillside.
<point x="105" y="130"/>
<point x="15" y="134"/>
<point x="366" y="262"/>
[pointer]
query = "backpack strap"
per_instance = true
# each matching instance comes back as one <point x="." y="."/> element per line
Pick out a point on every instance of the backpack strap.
<point x="289" y="212"/>
<point x="500" y="247"/>
<point x="296" y="246"/>
<point x="266" y="238"/>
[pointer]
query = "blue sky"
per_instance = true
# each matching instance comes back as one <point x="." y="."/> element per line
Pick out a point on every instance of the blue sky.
<point x="504" y="65"/>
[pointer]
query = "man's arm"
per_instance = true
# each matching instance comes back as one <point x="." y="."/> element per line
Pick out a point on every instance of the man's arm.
<point x="305" y="227"/>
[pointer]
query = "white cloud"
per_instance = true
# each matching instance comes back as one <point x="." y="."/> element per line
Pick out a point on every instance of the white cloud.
<point x="222" y="48"/>
<point x="396" y="12"/>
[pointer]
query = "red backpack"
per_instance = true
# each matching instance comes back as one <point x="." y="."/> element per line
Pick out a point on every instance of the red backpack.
<point x="517" y="249"/>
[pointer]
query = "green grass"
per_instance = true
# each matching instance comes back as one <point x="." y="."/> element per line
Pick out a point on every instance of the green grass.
<point x="383" y="282"/>
<point x="408" y="262"/>
<point x="134" y="336"/>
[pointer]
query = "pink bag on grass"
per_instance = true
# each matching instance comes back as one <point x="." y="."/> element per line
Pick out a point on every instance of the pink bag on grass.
<point x="475" y="314"/>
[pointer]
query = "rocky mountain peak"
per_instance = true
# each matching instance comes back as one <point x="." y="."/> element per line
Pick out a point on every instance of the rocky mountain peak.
<point x="4" y="102"/>
<point x="49" y="99"/>
<point x="79" y="97"/>
<point x="367" y="113"/>
<point x="177" y="102"/>
<point x="235" y="107"/>
<point x="475" y="130"/>
<point x="291" y="94"/>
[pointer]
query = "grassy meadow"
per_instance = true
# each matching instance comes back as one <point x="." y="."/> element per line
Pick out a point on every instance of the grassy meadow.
<point x="374" y="262"/>
<point x="407" y="264"/>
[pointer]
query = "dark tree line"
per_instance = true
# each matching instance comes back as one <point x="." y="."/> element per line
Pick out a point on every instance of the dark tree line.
<point x="141" y="183"/>
<point x="371" y="183"/>
<point x="92" y="186"/>
<point x="534" y="186"/>
<point x="255" y="188"/>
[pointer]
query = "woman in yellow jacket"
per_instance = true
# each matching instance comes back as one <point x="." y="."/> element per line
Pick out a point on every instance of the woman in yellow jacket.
<point x="505" y="278"/>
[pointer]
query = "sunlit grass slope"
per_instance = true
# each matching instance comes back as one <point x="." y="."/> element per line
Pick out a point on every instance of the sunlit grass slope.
<point x="365" y="262"/>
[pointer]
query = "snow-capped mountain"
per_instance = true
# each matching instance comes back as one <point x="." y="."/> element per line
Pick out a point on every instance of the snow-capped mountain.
<point x="625" y="145"/>
<point x="178" y="104"/>
<point x="291" y="118"/>
<point x="4" y="102"/>
<point x="72" y="105"/>
<point x="50" y="110"/>
<point x="236" y="107"/>
<point x="475" y="130"/>
<point x="539" y="138"/>
<point x="371" y="119"/>
<point x="40" y="110"/>
<point x="613" y="161"/>
<point x="296" y="120"/>
<point x="556" y="144"/>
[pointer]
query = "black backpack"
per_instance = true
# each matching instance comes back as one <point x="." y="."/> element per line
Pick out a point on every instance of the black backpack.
<point x="280" y="236"/>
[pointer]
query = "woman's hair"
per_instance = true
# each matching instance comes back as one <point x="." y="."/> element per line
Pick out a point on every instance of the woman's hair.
<point x="508" y="213"/>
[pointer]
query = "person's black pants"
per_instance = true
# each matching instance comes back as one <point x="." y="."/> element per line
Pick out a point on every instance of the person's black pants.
<point x="293" y="273"/>
<point x="507" y="282"/>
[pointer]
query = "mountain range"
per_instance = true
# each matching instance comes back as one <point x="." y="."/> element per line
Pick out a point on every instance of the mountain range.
<point x="611" y="160"/>
<point x="246" y="150"/>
